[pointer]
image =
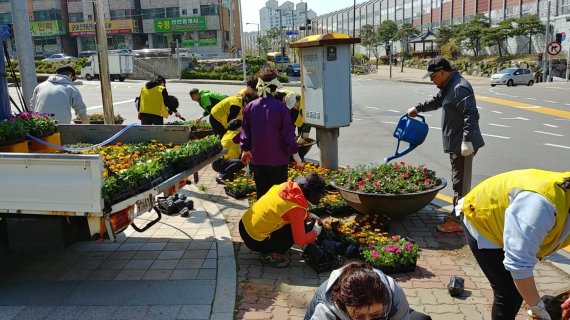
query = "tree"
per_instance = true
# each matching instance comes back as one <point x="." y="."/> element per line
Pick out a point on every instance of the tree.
<point x="529" y="26"/>
<point x="273" y="37"/>
<point x="369" y="39"/>
<point x="387" y="33"/>
<point x="471" y="32"/>
<point x="498" y="34"/>
<point x="443" y="35"/>
<point x="406" y="31"/>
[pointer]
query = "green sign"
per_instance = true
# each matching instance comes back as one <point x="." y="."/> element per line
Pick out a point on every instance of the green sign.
<point x="207" y="42"/>
<point x="46" y="28"/>
<point x="180" y="24"/>
<point x="187" y="43"/>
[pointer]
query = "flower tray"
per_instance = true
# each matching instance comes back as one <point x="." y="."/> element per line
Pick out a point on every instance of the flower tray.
<point x="398" y="269"/>
<point x="321" y="260"/>
<point x="149" y="184"/>
<point x="237" y="194"/>
<point x="199" y="134"/>
<point x="184" y="164"/>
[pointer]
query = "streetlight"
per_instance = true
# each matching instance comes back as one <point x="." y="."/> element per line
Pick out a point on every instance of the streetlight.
<point x="258" y="35"/>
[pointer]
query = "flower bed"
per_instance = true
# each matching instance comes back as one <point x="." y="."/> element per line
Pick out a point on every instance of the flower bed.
<point x="362" y="238"/>
<point x="39" y="125"/>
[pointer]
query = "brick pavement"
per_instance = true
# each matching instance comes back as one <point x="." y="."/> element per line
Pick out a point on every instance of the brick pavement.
<point x="268" y="293"/>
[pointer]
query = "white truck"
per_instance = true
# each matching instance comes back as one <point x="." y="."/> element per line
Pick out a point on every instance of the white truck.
<point x="49" y="200"/>
<point x="120" y="66"/>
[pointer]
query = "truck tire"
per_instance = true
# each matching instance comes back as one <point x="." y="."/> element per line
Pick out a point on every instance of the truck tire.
<point x="122" y="79"/>
<point x="88" y="77"/>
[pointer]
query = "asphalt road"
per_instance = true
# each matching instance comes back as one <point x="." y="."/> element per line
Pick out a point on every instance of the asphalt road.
<point x="517" y="133"/>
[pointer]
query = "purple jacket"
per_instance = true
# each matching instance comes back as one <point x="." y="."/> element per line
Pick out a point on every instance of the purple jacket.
<point x="267" y="131"/>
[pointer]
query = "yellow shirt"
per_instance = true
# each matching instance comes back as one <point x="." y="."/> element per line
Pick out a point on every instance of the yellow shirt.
<point x="234" y="151"/>
<point x="221" y="111"/>
<point x="152" y="102"/>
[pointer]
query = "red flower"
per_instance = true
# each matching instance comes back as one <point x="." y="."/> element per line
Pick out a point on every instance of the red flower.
<point x="427" y="181"/>
<point x="406" y="175"/>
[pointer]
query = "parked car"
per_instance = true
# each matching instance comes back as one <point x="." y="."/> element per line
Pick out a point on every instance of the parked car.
<point x="513" y="76"/>
<point x="293" y="69"/>
<point x="87" y="54"/>
<point x="59" y="57"/>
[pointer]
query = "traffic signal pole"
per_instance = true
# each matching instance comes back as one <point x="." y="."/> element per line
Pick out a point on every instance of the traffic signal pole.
<point x="4" y="101"/>
<point x="25" y="49"/>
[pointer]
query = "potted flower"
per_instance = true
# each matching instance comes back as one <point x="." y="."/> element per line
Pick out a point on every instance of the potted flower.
<point x="39" y="125"/>
<point x="198" y="130"/>
<point x="12" y="136"/>
<point x="394" y="190"/>
<point x="395" y="254"/>
<point x="99" y="118"/>
<point x="240" y="187"/>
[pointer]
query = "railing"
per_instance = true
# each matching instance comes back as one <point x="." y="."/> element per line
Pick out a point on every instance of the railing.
<point x="145" y="65"/>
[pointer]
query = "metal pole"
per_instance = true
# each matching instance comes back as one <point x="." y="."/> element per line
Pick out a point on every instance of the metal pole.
<point x="258" y="37"/>
<point x="24" y="47"/>
<point x="353" y="25"/>
<point x="390" y="62"/>
<point x="281" y="49"/>
<point x="293" y="21"/>
<point x="232" y="38"/>
<point x="242" y="44"/>
<point x="546" y="36"/>
<point x="104" y="77"/>
<point x="5" y="110"/>
<point x="568" y="61"/>
<point x="179" y="60"/>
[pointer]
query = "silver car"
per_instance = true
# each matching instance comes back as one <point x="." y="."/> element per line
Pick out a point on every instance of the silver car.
<point x="512" y="77"/>
<point x="59" y="57"/>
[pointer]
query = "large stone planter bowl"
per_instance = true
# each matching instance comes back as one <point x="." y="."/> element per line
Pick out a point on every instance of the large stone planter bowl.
<point x="394" y="206"/>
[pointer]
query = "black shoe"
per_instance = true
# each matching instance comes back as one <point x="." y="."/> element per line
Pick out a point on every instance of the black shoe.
<point x="220" y="180"/>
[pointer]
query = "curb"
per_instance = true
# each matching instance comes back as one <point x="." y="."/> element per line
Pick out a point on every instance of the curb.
<point x="226" y="82"/>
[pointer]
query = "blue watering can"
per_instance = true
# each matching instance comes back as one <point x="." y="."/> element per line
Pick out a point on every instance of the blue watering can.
<point x="409" y="130"/>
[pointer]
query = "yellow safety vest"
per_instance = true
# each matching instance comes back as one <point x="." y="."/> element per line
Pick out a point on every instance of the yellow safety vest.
<point x="221" y="111"/>
<point x="265" y="216"/>
<point x="234" y="151"/>
<point x="152" y="102"/>
<point x="484" y="207"/>
<point x="301" y="117"/>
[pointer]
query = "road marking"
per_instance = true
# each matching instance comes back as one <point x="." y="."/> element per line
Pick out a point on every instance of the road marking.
<point x="550" y="101"/>
<point x="567" y="104"/>
<point x="115" y="103"/>
<point x="543" y="110"/>
<point x="532" y="99"/>
<point x="435" y="128"/>
<point x="551" y="125"/>
<point x="445" y="198"/>
<point x="495" y="136"/>
<point x="499" y="112"/>
<point x="395" y="111"/>
<point x="389" y="122"/>
<point x="373" y="108"/>
<point x="556" y="146"/>
<point x="499" y="125"/>
<point x="549" y="133"/>
<point x="516" y="118"/>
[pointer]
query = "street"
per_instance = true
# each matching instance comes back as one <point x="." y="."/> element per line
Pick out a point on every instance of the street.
<point x="523" y="127"/>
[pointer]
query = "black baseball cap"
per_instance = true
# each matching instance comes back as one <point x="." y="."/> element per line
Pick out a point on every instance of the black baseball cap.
<point x="437" y="64"/>
<point x="65" y="69"/>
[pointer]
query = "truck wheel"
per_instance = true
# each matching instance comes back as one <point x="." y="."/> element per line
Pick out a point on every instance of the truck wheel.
<point x="88" y="77"/>
<point x="121" y="79"/>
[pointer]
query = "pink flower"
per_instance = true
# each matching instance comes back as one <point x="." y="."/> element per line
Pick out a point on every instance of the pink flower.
<point x="375" y="254"/>
<point x="390" y="248"/>
<point x="427" y="181"/>
<point x="395" y="238"/>
<point x="409" y="246"/>
<point x="406" y="175"/>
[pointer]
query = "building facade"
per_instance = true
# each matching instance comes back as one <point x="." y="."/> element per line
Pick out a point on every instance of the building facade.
<point x="68" y="26"/>
<point x="433" y="14"/>
<point x="292" y="16"/>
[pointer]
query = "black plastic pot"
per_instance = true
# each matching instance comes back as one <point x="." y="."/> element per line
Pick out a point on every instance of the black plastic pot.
<point x="304" y="148"/>
<point x="394" y="206"/>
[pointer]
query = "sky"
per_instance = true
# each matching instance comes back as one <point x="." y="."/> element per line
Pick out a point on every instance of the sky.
<point x="250" y="9"/>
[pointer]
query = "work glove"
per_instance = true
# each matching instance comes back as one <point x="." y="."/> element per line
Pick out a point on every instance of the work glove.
<point x="412" y="112"/>
<point x="317" y="228"/>
<point x="539" y="311"/>
<point x="467" y="148"/>
<point x="297" y="160"/>
<point x="246" y="157"/>
<point x="313" y="216"/>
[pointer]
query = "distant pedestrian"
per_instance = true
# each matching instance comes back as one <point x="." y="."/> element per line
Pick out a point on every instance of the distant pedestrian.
<point x="460" y="127"/>
<point x="57" y="95"/>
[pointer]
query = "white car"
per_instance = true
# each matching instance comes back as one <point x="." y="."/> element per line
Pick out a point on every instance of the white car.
<point x="59" y="57"/>
<point x="513" y="76"/>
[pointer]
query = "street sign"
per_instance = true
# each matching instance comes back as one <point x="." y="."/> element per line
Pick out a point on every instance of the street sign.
<point x="292" y="33"/>
<point x="553" y="48"/>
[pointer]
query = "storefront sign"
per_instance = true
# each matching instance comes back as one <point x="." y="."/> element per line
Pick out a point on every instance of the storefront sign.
<point x="208" y="42"/>
<point x="187" y="43"/>
<point x="111" y="27"/>
<point x="180" y="24"/>
<point x="46" y="28"/>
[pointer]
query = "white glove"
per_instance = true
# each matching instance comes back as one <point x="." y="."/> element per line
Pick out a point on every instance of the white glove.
<point x="467" y="148"/>
<point x="317" y="228"/>
<point x="539" y="311"/>
<point x="297" y="159"/>
<point x="314" y="216"/>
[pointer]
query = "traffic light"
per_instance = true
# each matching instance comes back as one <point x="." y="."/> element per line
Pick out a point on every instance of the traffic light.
<point x="173" y="47"/>
<point x="283" y="51"/>
<point x="558" y="37"/>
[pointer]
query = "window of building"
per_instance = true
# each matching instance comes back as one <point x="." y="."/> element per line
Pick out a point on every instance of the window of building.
<point x="172" y="12"/>
<point x="184" y="12"/>
<point x="45" y="15"/>
<point x="4" y="1"/>
<point x="76" y="17"/>
<point x="157" y="13"/>
<point x="209" y="10"/>
<point x="5" y="18"/>
<point x="120" y="14"/>
<point x="564" y="6"/>
<point x="194" y="11"/>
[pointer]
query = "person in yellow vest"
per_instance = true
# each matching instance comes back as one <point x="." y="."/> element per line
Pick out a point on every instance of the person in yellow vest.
<point x="228" y="109"/>
<point x="231" y="162"/>
<point x="280" y="219"/>
<point x="513" y="219"/>
<point x="153" y="103"/>
<point x="293" y="101"/>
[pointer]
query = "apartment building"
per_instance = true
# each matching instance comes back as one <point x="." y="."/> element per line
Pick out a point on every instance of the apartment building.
<point x="432" y="14"/>
<point x="292" y="16"/>
<point x="68" y="26"/>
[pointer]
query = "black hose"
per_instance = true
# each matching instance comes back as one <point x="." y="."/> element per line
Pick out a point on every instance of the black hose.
<point x="16" y="82"/>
